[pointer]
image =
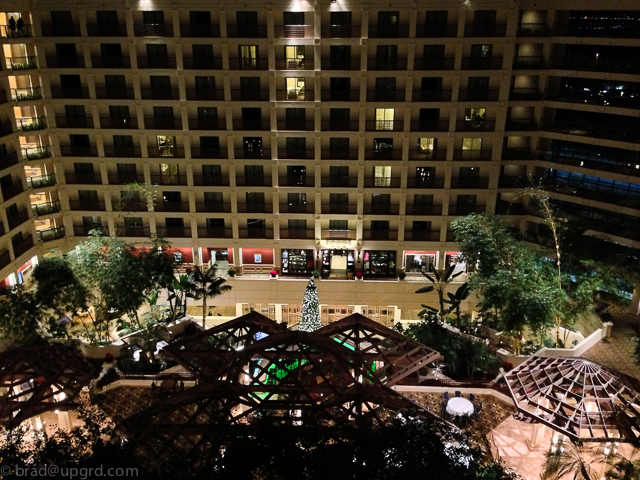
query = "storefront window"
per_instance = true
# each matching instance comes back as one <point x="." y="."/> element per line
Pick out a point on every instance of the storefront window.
<point x="419" y="262"/>
<point x="297" y="262"/>
<point x="457" y="259"/>
<point x="338" y="264"/>
<point x="380" y="262"/>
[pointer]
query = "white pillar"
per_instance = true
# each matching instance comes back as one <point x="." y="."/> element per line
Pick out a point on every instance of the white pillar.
<point x="64" y="421"/>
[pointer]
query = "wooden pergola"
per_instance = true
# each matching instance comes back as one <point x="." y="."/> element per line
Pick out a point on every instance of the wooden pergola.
<point x="577" y="398"/>
<point x="37" y="379"/>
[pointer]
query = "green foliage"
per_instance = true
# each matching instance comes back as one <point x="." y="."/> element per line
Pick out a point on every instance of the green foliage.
<point x="310" y="315"/>
<point x="316" y="273"/>
<point x="21" y="318"/>
<point x="439" y="283"/>
<point x="231" y="272"/>
<point x="402" y="275"/>
<point x="203" y="284"/>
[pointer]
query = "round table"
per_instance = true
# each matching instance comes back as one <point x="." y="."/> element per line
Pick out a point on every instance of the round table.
<point x="459" y="406"/>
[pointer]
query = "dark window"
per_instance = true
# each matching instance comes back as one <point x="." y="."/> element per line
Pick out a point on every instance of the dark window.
<point x="88" y="196"/>
<point x="210" y="113"/>
<point x="297" y="198"/>
<point x="422" y="200"/>
<point x="436" y="19"/>
<point x="466" y="200"/>
<point x="340" y="57"/>
<point x="126" y="168"/>
<point x="79" y="140"/>
<point x="469" y="172"/>
<point x="210" y="143"/>
<point x="123" y="140"/>
<point x="202" y="52"/>
<point x="425" y="174"/>
<point x="379" y="225"/>
<point x="387" y="57"/>
<point x="111" y="50"/>
<point x="211" y="173"/>
<point x="83" y="168"/>
<point x="74" y="111"/>
<point x="341" y="18"/>
<point x="338" y="224"/>
<point x="252" y="147"/>
<point x="340" y="199"/>
<point x="160" y="82"/>
<point x="421" y="226"/>
<point x="381" y="199"/>
<point x="296" y="146"/>
<point x="206" y="83"/>
<point x="6" y="181"/>
<point x="107" y="17"/>
<point x="118" y="111"/>
<point x="66" y="50"/>
<point x="295" y="117"/>
<point x="299" y="225"/>
<point x="133" y="222"/>
<point x="213" y="197"/>
<point x="293" y="18"/>
<point x="254" y="171"/>
<point x="70" y="81"/>
<point x="250" y="88"/>
<point x="247" y="18"/>
<point x="251" y="118"/>
<point x="386" y="89"/>
<point x="61" y="18"/>
<point x="215" y="223"/>
<point x="153" y="17"/>
<point x="339" y="176"/>
<point x="433" y="52"/>
<point x="254" y="198"/>
<point x="163" y="112"/>
<point x="296" y="175"/>
<point x="12" y="210"/>
<point x="172" y="197"/>
<point x="481" y="51"/>
<point x="174" y="222"/>
<point x="484" y="22"/>
<point x="478" y="84"/>
<point x="157" y="50"/>
<point x="339" y="147"/>
<point x="388" y="23"/>
<point x="339" y="118"/>
<point x="200" y="18"/>
<point x="115" y="81"/>
<point x="340" y="88"/>
<point x="431" y="84"/>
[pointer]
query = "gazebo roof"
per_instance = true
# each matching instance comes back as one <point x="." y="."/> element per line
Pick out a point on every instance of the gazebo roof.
<point x="40" y="378"/>
<point x="400" y="356"/>
<point x="577" y="398"/>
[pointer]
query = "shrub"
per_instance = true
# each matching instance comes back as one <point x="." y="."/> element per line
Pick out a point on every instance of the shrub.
<point x="316" y="273"/>
<point x="231" y="272"/>
<point x="402" y="275"/>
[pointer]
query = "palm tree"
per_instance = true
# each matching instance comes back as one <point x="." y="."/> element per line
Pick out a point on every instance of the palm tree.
<point x="440" y="283"/>
<point x="204" y="284"/>
<point x="624" y="468"/>
<point x="568" y="460"/>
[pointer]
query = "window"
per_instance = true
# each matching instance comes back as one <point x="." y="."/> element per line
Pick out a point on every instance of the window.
<point x="213" y="198"/>
<point x="296" y="175"/>
<point x="431" y="84"/>
<point x="296" y="147"/>
<point x="157" y="50"/>
<point x="88" y="199"/>
<point x="385" y="89"/>
<point x="296" y="199"/>
<point x="484" y="22"/>
<point x="177" y="223"/>
<point x="200" y="18"/>
<point x="208" y="113"/>
<point x="70" y="81"/>
<point x="61" y="18"/>
<point x="126" y="169"/>
<point x="211" y="173"/>
<point x="163" y="112"/>
<point x="341" y="18"/>
<point x="160" y="82"/>
<point x="210" y="144"/>
<point x="123" y="141"/>
<point x="422" y="200"/>
<point x="248" y="55"/>
<point x="469" y="172"/>
<point x="79" y="140"/>
<point x="215" y="223"/>
<point x="202" y="52"/>
<point x="477" y="88"/>
<point x="339" y="199"/>
<point x="339" y="147"/>
<point x="295" y="88"/>
<point x="172" y="197"/>
<point x="474" y="117"/>
<point x="383" y="148"/>
<point x="380" y="225"/>
<point x="252" y="147"/>
<point x="466" y="200"/>
<point x="380" y="199"/>
<point x="388" y="23"/>
<point x="256" y="226"/>
<point x="339" y="176"/>
<point x="471" y="143"/>
<point x="247" y="24"/>
<point x="293" y="18"/>
<point x="255" y="198"/>
<point x="83" y="168"/>
<point x="298" y="225"/>
<point x="481" y="51"/>
<point x="74" y="111"/>
<point x="425" y="175"/>
<point x="436" y="19"/>
<point x="115" y="82"/>
<point x="107" y="17"/>
<point x="254" y="175"/>
<point x="66" y="50"/>
<point x="118" y="111"/>
<point x="170" y="173"/>
<point x="340" y="89"/>
<point x="433" y="55"/>
<point x="110" y="50"/>
<point x="166" y="145"/>
<point x="381" y="176"/>
<point x="338" y="224"/>
<point x="132" y="223"/>
<point x="387" y="57"/>
<point x="340" y="57"/>
<point x="421" y="226"/>
<point x="384" y="118"/>
<point x="427" y="146"/>
<point x="294" y="55"/>
<point x="155" y="17"/>
<point x="251" y="118"/>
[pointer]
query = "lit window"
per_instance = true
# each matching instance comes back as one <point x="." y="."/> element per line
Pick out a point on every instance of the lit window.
<point x="295" y="88"/>
<point x="382" y="176"/>
<point x="384" y="118"/>
<point x="294" y="55"/>
<point x="471" y="143"/>
<point x="248" y="56"/>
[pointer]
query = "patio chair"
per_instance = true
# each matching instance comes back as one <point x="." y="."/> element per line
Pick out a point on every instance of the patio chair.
<point x="458" y="394"/>
<point x="472" y="397"/>
<point x="476" y="411"/>
<point x="445" y="395"/>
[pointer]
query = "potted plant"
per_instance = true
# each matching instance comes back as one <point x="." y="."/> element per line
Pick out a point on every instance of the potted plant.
<point x="316" y="273"/>
<point x="274" y="274"/>
<point x="358" y="275"/>
<point x="402" y="275"/>
<point x="231" y="272"/>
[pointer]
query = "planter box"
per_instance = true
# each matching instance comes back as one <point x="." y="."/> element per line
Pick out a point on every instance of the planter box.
<point x="97" y="352"/>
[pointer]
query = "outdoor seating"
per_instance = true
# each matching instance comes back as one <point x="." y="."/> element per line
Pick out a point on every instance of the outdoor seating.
<point x="472" y="397"/>
<point x="445" y="395"/>
<point x="458" y="394"/>
<point x="476" y="411"/>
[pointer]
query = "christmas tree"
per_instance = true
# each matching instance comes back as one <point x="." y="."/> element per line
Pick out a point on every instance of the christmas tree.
<point x="310" y="316"/>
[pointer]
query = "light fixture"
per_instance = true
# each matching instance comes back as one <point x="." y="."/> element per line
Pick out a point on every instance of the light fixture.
<point x="333" y="1"/>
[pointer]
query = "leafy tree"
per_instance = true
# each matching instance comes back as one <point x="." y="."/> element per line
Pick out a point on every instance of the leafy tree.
<point x="624" y="468"/>
<point x="21" y="318"/>
<point x="567" y="462"/>
<point x="177" y="289"/>
<point x="440" y="282"/>
<point x="310" y="314"/>
<point x="204" y="284"/>
<point x="456" y="299"/>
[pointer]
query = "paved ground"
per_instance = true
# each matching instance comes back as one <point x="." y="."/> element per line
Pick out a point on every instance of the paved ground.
<point x="616" y="352"/>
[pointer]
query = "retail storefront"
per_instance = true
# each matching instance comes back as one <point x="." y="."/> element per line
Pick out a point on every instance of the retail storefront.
<point x="419" y="261"/>
<point x="181" y="254"/>
<point x="457" y="259"/>
<point x="222" y="257"/>
<point x="338" y="264"/>
<point x="257" y="260"/>
<point x="297" y="262"/>
<point x="380" y="263"/>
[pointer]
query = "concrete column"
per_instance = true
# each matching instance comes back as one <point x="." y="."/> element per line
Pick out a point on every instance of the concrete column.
<point x="634" y="308"/>
<point x="537" y="434"/>
<point x="64" y="421"/>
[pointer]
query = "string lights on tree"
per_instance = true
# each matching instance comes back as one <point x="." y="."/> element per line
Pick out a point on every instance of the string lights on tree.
<point x="310" y="315"/>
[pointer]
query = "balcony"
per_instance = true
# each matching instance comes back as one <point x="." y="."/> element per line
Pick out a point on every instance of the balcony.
<point x="480" y="154"/>
<point x="17" y="219"/>
<point x="119" y="123"/>
<point x="83" y="178"/>
<point x="437" y="31"/>
<point x="12" y="190"/>
<point x="338" y="154"/>
<point x="252" y="124"/>
<point x="174" y="232"/>
<point x="85" y="230"/>
<point x="156" y="62"/>
<point x="6" y="32"/>
<point x="429" y="155"/>
<point x="199" y="31"/>
<point x="22" y="63"/>
<point x="78" y="151"/>
<point x="589" y="161"/>
<point x="153" y="30"/>
<point x="422" y="235"/>
<point x="73" y="122"/>
<point x="340" y="182"/>
<point x="339" y="208"/>
<point x="159" y="179"/>
<point x="385" y="95"/>
<point x="207" y="124"/>
<point x="340" y="95"/>
<point x="202" y="63"/>
<point x="435" y="210"/>
<point x="36" y="153"/>
<point x="149" y="93"/>
<point x="340" y="63"/>
<point x="515" y="181"/>
<point x="253" y="181"/>
<point x="605" y="28"/>
<point x="58" y="91"/>
<point x="27" y="124"/>
<point x="585" y="127"/>
<point x="204" y="94"/>
<point x="485" y="30"/>
<point x="248" y="63"/>
<point x="292" y="95"/>
<point x="3" y="96"/>
<point x="482" y="63"/>
<point x="293" y="31"/>
<point x="380" y="235"/>
<point x="297" y="208"/>
<point x="521" y="124"/>
<point x="580" y="96"/>
<point x="41" y="181"/>
<point x="532" y="30"/>
<point x="46" y="208"/>
<point x="5" y="258"/>
<point x="23" y="246"/>
<point x="51" y="234"/>
<point x="256" y="95"/>
<point x="114" y="93"/>
<point x="208" y="152"/>
<point x="163" y="206"/>
<point x="297" y="233"/>
<point x="214" y="232"/>
<point x="60" y="30"/>
<point x="384" y="125"/>
<point x="163" y="123"/>
<point x="25" y="94"/>
<point x="210" y="207"/>
<point x="525" y="94"/>
<point x="425" y="182"/>
<point x="509" y="208"/>
<point x="628" y="64"/>
<point x="296" y="181"/>
<point x="431" y="96"/>
<point x="529" y="62"/>
<point x="466" y="209"/>
<point x="429" y="125"/>
<point x="104" y="30"/>
<point x="481" y="125"/>
<point x="381" y="209"/>
<point x="256" y="233"/>
<point x="388" y="31"/>
<point x="87" y="205"/>
<point x="53" y="61"/>
<point x="340" y="31"/>
<point x="297" y="153"/>
<point x="6" y="128"/>
<point x="128" y="204"/>
<point x="386" y="63"/>
<point x="125" y="178"/>
<point x="246" y="31"/>
<point x="133" y="231"/>
<point x="466" y="183"/>
<point x="383" y="154"/>
<point x="294" y="63"/>
<point x="255" y="153"/>
<point x="298" y="126"/>
<point x="338" y="234"/>
<point x="129" y="151"/>
<point x="446" y="63"/>
<point x="210" y="181"/>
<point x="516" y="154"/>
<point x="8" y="160"/>
<point x="475" y="95"/>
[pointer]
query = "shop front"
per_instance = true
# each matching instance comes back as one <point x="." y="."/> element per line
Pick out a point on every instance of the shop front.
<point x="457" y="259"/>
<point x="257" y="260"/>
<point x="338" y="264"/>
<point x="419" y="261"/>
<point x="297" y="262"/>
<point x="379" y="263"/>
<point x="222" y="257"/>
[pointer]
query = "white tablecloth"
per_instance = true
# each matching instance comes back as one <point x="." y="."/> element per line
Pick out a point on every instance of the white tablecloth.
<point x="458" y="406"/>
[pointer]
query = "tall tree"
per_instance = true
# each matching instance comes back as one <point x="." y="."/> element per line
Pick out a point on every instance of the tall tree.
<point x="204" y="284"/>
<point x="310" y="315"/>
<point x="439" y="283"/>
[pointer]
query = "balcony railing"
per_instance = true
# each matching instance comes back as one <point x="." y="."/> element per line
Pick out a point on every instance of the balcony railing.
<point x="256" y="153"/>
<point x="58" y="91"/>
<point x="22" y="63"/>
<point x="210" y="207"/>
<point x="516" y="154"/>
<point x="204" y="94"/>
<point x="626" y="64"/>
<point x="125" y="178"/>
<point x="589" y="161"/>
<point x="480" y="154"/>
<point x="386" y="63"/>
<point x="292" y="95"/>
<point x="525" y="94"/>
<point x="466" y="209"/>
<point x="211" y="181"/>
<point x="60" y="30"/>
<point x="532" y="30"/>
<point x="385" y="95"/>
<point x="340" y="125"/>
<point x="85" y="230"/>
<point x="422" y="235"/>
<point x="6" y="32"/>
<point x="485" y="30"/>
<point x="26" y="124"/>
<point x="437" y="31"/>
<point x="17" y="219"/>
<point x="145" y="61"/>
<point x="425" y="183"/>
<point x="381" y="209"/>
<point x="337" y="154"/>
<point x="487" y="125"/>
<point x="424" y="210"/>
<point x="340" y="31"/>
<point x="248" y="63"/>
<point x="251" y="124"/>
<point x="119" y="123"/>
<point x="297" y="207"/>
<point x="171" y="206"/>
<point x="24" y="94"/>
<point x="383" y="154"/>
<point x="255" y="95"/>
<point x="72" y="61"/>
<point x="199" y="31"/>
<point x="46" y="208"/>
<point x="296" y="181"/>
<point x="133" y="231"/>
<point x="23" y="246"/>
<point x="73" y="122"/>
<point x="36" y="153"/>
<point x="339" y="208"/>
<point x="429" y="125"/>
<point x="253" y="181"/>
<point x="87" y="205"/>
<point x="293" y="31"/>
<point x="431" y="155"/>
<point x="297" y="233"/>
<point x="103" y="30"/>
<point x="339" y="182"/>
<point x="163" y="123"/>
<point x="384" y="125"/>
<point x="51" y="234"/>
<point x="159" y="179"/>
<point x="247" y="31"/>
<point x="431" y="96"/>
<point x="388" y="31"/>
<point x="595" y="28"/>
<point x="41" y="181"/>
<point x="83" y="178"/>
<point x="613" y="100"/>
<point x="338" y="234"/>
<point x="295" y="153"/>
<point x="78" y="151"/>
<point x="122" y="151"/>
<point x="174" y="232"/>
<point x="294" y="63"/>
<point x="445" y="63"/>
<point x="214" y="232"/>
<point x="208" y="152"/>
<point x="114" y="93"/>
<point x="153" y="30"/>
<point x="150" y="93"/>
<point x="380" y="235"/>
<point x="8" y="160"/>
<point x="521" y="124"/>
<point x="340" y="63"/>
<point x="475" y="95"/>
<point x="529" y="62"/>
<point x="482" y="63"/>
<point x="256" y="232"/>
<point x="207" y="124"/>
<point x="469" y="182"/>
<point x="302" y="126"/>
<point x="340" y="95"/>
<point x="202" y="63"/>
